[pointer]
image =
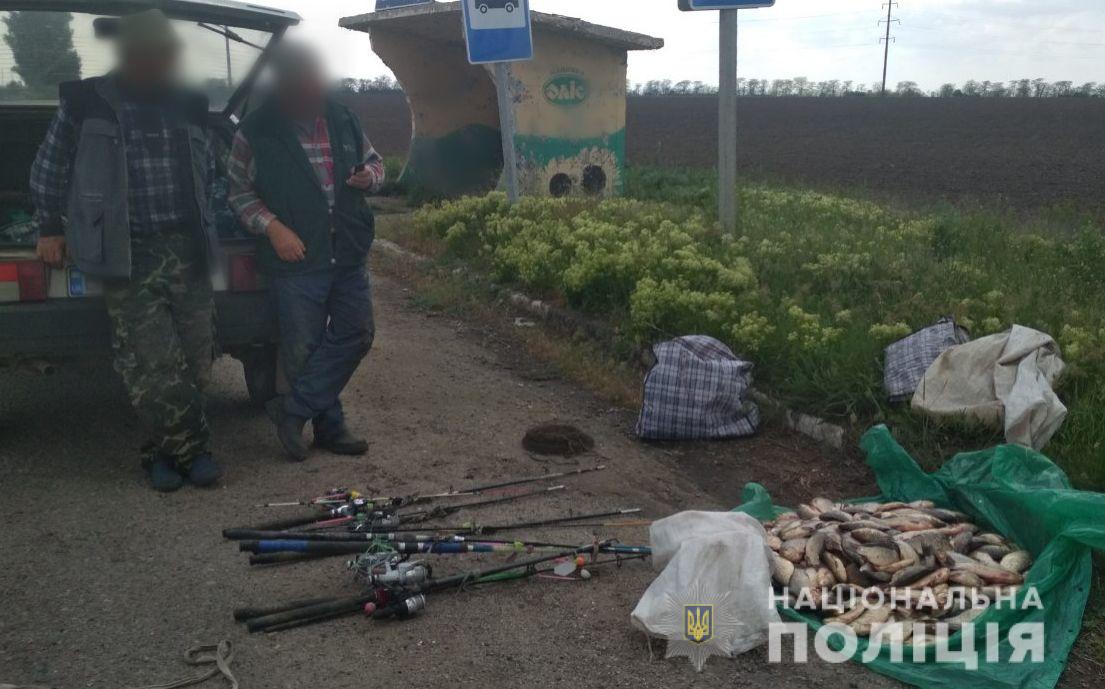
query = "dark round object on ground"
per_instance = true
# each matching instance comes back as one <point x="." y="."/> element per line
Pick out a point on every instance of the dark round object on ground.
<point x="557" y="439"/>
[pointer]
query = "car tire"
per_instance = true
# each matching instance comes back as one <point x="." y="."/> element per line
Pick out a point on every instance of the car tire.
<point x="483" y="9"/>
<point x="509" y="7"/>
<point x="259" y="366"/>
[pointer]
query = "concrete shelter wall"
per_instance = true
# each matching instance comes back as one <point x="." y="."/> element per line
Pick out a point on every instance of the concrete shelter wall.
<point x="569" y="104"/>
<point x="456" y="142"/>
<point x="569" y="108"/>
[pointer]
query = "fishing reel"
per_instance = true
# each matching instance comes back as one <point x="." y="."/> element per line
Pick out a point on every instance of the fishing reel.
<point x="355" y="507"/>
<point x="350" y="508"/>
<point x="367" y="516"/>
<point x="389" y="570"/>
<point x="400" y="574"/>
<point x="400" y="606"/>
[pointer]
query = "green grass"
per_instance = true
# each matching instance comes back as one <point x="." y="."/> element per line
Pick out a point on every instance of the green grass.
<point x="811" y="289"/>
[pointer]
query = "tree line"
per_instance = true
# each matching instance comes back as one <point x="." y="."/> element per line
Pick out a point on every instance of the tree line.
<point x="380" y="84"/>
<point x="832" y="88"/>
<point x="835" y="88"/>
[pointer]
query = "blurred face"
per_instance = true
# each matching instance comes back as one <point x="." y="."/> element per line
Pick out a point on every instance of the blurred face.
<point x="303" y="93"/>
<point x="150" y="68"/>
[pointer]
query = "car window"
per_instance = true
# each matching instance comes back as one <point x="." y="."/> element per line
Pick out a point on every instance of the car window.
<point x="39" y="50"/>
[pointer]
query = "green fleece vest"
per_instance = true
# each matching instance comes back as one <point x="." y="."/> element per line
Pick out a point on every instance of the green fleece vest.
<point x="290" y="188"/>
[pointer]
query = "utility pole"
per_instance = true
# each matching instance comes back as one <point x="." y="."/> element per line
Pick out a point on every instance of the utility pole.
<point x="506" y="126"/>
<point x="886" y="48"/>
<point x="727" y="124"/>
<point x="229" y="72"/>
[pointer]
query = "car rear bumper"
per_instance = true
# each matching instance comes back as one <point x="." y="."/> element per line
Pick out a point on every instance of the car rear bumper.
<point x="64" y="328"/>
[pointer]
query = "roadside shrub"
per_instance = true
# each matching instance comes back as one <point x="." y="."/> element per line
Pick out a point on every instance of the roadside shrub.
<point x="812" y="287"/>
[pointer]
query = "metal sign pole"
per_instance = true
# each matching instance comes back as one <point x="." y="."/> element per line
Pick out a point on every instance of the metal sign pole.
<point x="727" y="124"/>
<point x="506" y="125"/>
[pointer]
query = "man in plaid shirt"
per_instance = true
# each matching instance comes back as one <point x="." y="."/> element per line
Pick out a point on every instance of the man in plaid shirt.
<point x="120" y="188"/>
<point x="158" y="192"/>
<point x="300" y="169"/>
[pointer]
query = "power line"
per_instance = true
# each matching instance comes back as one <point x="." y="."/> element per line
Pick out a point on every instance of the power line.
<point x="804" y="16"/>
<point x="886" y="40"/>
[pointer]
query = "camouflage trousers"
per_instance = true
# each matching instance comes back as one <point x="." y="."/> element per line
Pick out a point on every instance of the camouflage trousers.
<point x="163" y="337"/>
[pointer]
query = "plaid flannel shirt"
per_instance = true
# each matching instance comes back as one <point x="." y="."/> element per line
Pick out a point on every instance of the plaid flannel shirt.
<point x="159" y="169"/>
<point x="315" y="139"/>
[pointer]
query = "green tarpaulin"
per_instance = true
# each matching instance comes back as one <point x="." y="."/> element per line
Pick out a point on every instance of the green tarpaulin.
<point x="1022" y="495"/>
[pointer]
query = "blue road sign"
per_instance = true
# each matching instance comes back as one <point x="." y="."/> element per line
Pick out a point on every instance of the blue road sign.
<point x="497" y="30"/>
<point x="724" y="4"/>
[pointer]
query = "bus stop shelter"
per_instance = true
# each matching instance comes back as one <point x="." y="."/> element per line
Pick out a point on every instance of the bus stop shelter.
<point x="569" y="102"/>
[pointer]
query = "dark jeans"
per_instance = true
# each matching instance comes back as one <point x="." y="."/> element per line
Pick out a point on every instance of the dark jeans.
<point x="326" y="328"/>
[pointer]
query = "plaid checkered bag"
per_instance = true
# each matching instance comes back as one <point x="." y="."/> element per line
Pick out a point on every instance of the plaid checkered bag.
<point x="696" y="391"/>
<point x="909" y="358"/>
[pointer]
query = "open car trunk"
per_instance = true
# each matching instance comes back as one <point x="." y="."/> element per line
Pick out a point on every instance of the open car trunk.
<point x="22" y="129"/>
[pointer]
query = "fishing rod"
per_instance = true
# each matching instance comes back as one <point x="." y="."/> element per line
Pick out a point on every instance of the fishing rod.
<point x="413" y="574"/>
<point x="470" y="528"/>
<point x="332" y="496"/>
<point x="338" y="495"/>
<point x="273" y="555"/>
<point x="403" y="599"/>
<point x="360" y="513"/>
<point x="283" y="617"/>
<point x="439" y="511"/>
<point x="429" y="547"/>
<point x="289" y="551"/>
<point x="477" y="489"/>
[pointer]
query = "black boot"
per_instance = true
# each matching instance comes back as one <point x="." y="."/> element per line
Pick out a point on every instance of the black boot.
<point x="290" y="432"/>
<point x="342" y="443"/>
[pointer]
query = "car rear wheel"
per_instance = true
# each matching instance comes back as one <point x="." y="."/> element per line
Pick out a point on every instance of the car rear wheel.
<point x="259" y="365"/>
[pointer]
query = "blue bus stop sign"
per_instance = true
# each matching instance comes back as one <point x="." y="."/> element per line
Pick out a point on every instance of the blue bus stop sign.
<point x="686" y="5"/>
<point x="497" y="30"/>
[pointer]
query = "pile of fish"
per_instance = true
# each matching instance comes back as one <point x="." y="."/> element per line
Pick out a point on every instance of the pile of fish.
<point x="927" y="557"/>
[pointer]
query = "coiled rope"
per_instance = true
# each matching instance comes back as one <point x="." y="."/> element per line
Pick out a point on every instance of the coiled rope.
<point x="220" y="655"/>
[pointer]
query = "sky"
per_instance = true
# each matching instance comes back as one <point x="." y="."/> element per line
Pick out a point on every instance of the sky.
<point x="937" y="41"/>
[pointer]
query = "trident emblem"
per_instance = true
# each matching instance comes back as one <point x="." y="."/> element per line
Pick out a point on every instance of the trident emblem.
<point x="699" y="626"/>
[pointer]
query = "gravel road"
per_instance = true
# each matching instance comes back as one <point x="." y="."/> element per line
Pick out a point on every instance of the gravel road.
<point x="106" y="583"/>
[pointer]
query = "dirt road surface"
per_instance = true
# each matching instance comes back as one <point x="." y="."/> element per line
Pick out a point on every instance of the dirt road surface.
<point x="106" y="583"/>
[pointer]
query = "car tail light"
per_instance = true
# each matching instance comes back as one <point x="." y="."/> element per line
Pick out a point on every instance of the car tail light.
<point x="243" y="274"/>
<point x="22" y="281"/>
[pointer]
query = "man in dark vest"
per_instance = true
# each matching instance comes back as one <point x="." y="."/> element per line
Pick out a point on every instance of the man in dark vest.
<point x="300" y="169"/>
<point x="120" y="187"/>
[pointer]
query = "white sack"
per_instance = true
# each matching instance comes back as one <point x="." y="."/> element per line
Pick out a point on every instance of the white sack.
<point x="1005" y="376"/>
<point x="710" y="557"/>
